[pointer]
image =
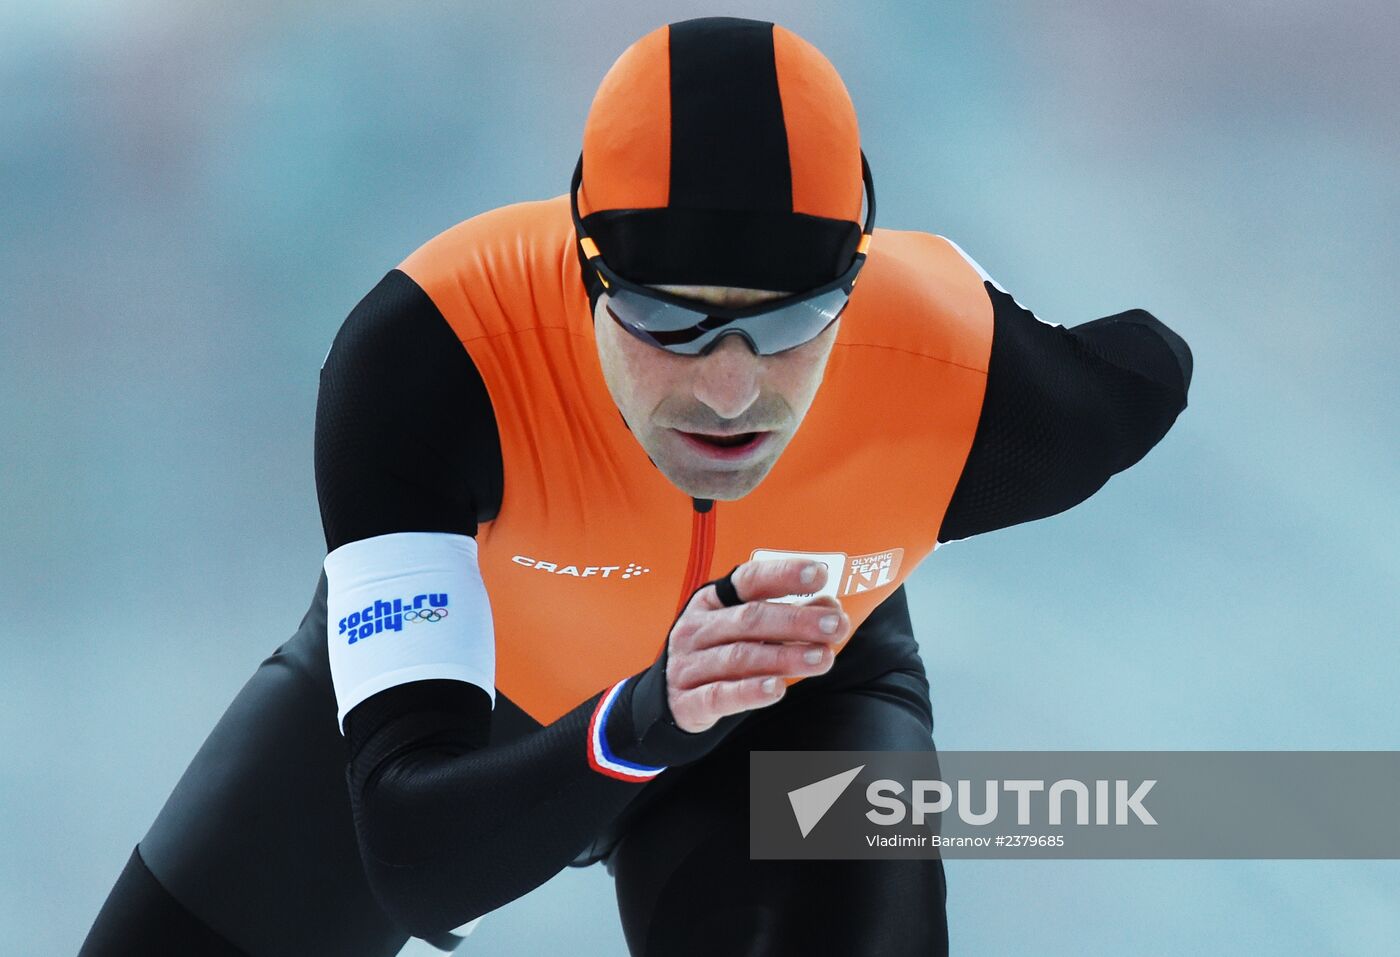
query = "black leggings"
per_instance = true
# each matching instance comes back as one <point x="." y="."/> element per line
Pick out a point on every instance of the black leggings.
<point x="686" y="885"/>
<point x="254" y="853"/>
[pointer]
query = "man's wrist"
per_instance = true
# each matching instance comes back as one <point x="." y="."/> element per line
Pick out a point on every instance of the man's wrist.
<point x="636" y="734"/>
<point x="653" y="735"/>
<point x="613" y="742"/>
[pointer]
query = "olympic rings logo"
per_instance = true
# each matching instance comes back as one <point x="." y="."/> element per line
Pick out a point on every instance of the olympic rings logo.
<point x="425" y="614"/>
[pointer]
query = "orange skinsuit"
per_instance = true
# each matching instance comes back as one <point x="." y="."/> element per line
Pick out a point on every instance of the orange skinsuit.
<point x="863" y="484"/>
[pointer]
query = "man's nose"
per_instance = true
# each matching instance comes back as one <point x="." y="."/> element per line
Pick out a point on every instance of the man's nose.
<point x="727" y="378"/>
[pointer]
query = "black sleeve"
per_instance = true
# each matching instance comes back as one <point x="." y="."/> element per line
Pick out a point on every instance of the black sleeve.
<point x="450" y="828"/>
<point x="406" y="439"/>
<point x="1065" y="409"/>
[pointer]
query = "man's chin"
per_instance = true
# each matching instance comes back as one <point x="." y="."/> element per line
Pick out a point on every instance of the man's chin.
<point x="721" y="486"/>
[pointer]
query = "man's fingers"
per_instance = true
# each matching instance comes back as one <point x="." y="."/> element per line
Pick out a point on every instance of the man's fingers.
<point x="696" y="709"/>
<point x="771" y="621"/>
<point x="742" y="659"/>
<point x="763" y="578"/>
<point x="728" y="659"/>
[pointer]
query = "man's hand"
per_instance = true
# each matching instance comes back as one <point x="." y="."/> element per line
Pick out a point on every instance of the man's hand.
<point x="728" y="659"/>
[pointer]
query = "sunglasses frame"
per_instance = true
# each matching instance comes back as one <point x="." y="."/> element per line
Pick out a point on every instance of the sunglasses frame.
<point x="705" y="313"/>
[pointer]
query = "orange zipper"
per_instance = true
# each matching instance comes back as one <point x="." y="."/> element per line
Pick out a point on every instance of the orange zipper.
<point x="702" y="549"/>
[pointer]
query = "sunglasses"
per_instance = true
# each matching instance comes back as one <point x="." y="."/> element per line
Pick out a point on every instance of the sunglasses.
<point x="688" y="328"/>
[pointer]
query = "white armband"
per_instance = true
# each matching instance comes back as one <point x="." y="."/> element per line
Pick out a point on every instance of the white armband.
<point x="407" y="607"/>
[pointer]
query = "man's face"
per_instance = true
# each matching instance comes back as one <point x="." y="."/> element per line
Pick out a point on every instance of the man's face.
<point x="671" y="401"/>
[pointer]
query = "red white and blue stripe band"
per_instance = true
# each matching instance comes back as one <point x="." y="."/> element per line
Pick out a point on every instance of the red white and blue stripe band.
<point x="600" y="756"/>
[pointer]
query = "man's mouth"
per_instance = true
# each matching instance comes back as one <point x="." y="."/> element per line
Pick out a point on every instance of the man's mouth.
<point x="739" y="438"/>
<point x="730" y="446"/>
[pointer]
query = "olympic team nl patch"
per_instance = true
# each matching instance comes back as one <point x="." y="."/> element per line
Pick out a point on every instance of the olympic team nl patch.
<point x="875" y="570"/>
<point x="844" y="576"/>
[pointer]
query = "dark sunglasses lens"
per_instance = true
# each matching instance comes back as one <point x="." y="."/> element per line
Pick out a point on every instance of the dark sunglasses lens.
<point x="690" y="332"/>
<point x="663" y="324"/>
<point x="791" y="326"/>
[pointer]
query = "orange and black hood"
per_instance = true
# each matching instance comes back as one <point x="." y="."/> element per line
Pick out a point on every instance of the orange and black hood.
<point x="723" y="151"/>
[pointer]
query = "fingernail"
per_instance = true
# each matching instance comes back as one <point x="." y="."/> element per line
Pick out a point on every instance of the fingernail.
<point x="813" y="657"/>
<point x="769" y="684"/>
<point x="809" y="574"/>
<point x="829" y="622"/>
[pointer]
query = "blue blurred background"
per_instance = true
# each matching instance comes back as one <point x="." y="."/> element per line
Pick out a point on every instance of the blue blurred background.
<point x="194" y="195"/>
